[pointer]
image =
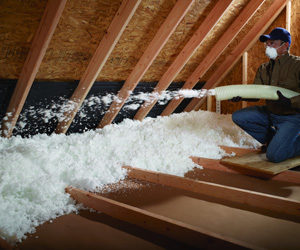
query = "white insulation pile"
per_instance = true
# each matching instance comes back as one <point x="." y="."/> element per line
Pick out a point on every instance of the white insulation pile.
<point x="35" y="171"/>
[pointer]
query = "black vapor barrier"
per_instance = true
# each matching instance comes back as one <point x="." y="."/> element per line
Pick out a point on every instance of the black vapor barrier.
<point x="47" y="101"/>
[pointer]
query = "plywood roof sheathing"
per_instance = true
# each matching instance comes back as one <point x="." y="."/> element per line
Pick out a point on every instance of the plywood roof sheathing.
<point x="41" y="40"/>
<point x="107" y="44"/>
<point x="247" y="42"/>
<point x="216" y="51"/>
<point x="159" y="40"/>
<point x="192" y="45"/>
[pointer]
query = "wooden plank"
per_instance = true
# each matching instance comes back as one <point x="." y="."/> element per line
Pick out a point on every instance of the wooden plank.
<point x="5" y="245"/>
<point x="288" y="15"/>
<point x="106" y="46"/>
<point x="209" y="103"/>
<point x="258" y="162"/>
<point x="159" y="40"/>
<point x="292" y="177"/>
<point x="250" y="38"/>
<point x="245" y="74"/>
<point x="185" y="54"/>
<point x="216" y="51"/>
<point x="251" y="199"/>
<point x="41" y="40"/>
<point x="191" y="235"/>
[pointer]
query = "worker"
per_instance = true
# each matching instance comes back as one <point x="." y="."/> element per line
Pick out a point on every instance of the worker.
<point x="277" y="124"/>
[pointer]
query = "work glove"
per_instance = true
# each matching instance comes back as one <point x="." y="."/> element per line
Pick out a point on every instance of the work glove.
<point x="284" y="101"/>
<point x="238" y="99"/>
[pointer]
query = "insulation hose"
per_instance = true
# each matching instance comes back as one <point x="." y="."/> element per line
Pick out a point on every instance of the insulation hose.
<point x="254" y="91"/>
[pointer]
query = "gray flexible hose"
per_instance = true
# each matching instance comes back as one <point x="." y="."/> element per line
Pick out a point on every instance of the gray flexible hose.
<point x="252" y="91"/>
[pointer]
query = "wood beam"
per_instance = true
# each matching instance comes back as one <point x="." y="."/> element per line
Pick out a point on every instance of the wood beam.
<point x="192" y="45"/>
<point x="40" y="42"/>
<point x="159" y="40"/>
<point x="279" y="205"/>
<point x="288" y="15"/>
<point x="106" y="46"/>
<point x="180" y="231"/>
<point x="288" y="176"/>
<point x="245" y="74"/>
<point x="248" y="41"/>
<point x="216" y="51"/>
<point x="5" y="245"/>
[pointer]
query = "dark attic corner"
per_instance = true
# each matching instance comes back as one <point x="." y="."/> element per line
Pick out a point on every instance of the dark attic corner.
<point x="149" y="124"/>
<point x="42" y="108"/>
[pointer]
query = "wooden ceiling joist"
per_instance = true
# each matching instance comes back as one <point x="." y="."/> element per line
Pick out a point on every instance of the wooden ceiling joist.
<point x="159" y="40"/>
<point x="192" y="45"/>
<point x="216" y="51"/>
<point x="252" y="199"/>
<point x="39" y="45"/>
<point x="106" y="46"/>
<point x="250" y="38"/>
<point x="174" y="229"/>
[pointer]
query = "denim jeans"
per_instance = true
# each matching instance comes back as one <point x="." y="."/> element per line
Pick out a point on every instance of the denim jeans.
<point x="280" y="132"/>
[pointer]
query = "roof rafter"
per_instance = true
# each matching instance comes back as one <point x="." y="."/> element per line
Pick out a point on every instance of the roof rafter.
<point x="250" y="38"/>
<point x="39" y="45"/>
<point x="192" y="45"/>
<point x="153" y="49"/>
<point x="216" y="51"/>
<point x="106" y="46"/>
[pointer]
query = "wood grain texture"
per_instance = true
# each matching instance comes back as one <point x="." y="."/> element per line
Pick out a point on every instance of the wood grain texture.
<point x="249" y="39"/>
<point x="192" y="235"/>
<point x="107" y="44"/>
<point x="216" y="51"/>
<point x="161" y="37"/>
<point x="192" y="45"/>
<point x="41" y="40"/>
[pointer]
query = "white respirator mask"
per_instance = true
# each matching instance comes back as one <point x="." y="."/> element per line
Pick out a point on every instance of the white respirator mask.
<point x="272" y="52"/>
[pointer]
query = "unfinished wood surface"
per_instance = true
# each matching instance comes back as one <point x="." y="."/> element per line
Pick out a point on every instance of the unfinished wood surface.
<point x="161" y="37"/>
<point x="107" y="44"/>
<point x="33" y="61"/>
<point x="252" y="199"/>
<point x="192" y="45"/>
<point x="5" y="245"/>
<point x="292" y="177"/>
<point x="245" y="74"/>
<point x="288" y="15"/>
<point x="216" y="51"/>
<point x="177" y="230"/>
<point x="258" y="162"/>
<point x="250" y="38"/>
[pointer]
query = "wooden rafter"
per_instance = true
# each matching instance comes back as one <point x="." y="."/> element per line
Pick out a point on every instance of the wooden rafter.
<point x="40" y="42"/>
<point x="161" y="37"/>
<point x="245" y="73"/>
<point x="252" y="199"/>
<point x="106" y="46"/>
<point x="180" y="231"/>
<point x="250" y="38"/>
<point x="216" y="51"/>
<point x="192" y="45"/>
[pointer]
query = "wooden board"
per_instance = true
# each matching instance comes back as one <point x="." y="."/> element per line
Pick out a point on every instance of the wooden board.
<point x="258" y="162"/>
<point x="192" y="235"/>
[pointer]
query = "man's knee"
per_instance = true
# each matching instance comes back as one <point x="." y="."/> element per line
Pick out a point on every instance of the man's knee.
<point x="275" y="156"/>
<point x="236" y="117"/>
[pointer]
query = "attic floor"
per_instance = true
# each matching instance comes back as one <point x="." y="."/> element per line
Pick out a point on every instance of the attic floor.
<point x="91" y="230"/>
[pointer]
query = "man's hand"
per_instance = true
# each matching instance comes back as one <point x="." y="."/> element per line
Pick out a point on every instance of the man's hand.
<point x="284" y="101"/>
<point x="238" y="99"/>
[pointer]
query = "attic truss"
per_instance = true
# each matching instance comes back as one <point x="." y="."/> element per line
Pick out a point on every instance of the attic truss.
<point x="127" y="9"/>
